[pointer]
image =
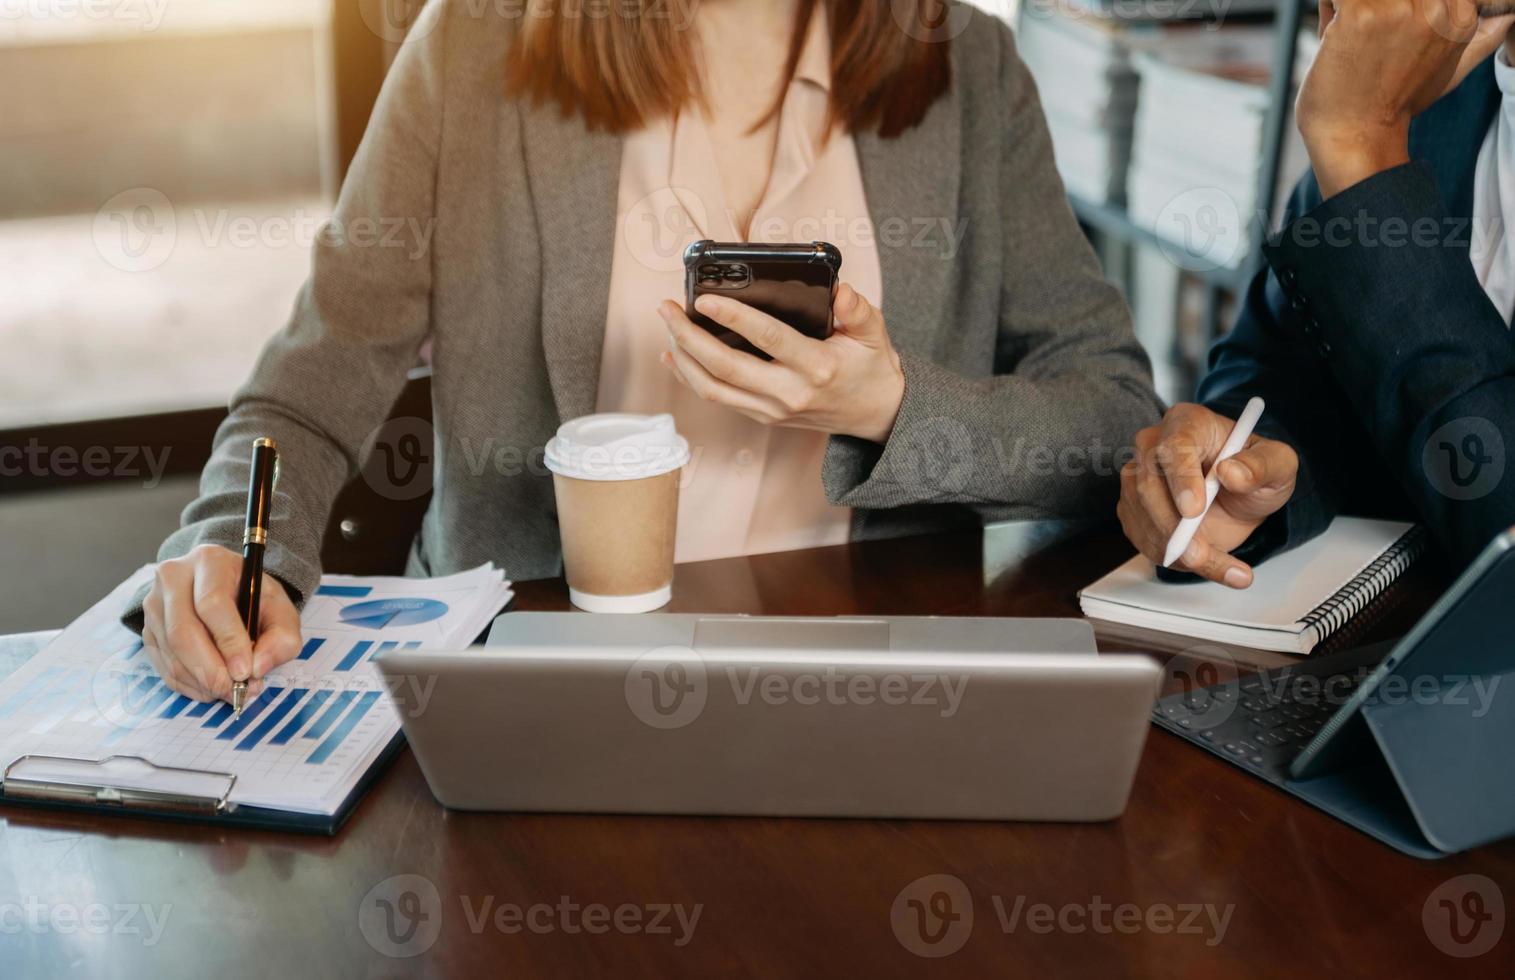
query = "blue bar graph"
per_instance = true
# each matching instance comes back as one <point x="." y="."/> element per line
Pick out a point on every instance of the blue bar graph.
<point x="149" y="694"/>
<point x="33" y="687"/>
<point x="130" y="651"/>
<point x="354" y="655"/>
<point x="250" y="713"/>
<point x="144" y="685"/>
<point x="311" y="646"/>
<point x="330" y="714"/>
<point x="222" y="712"/>
<point x="273" y="718"/>
<point x="306" y="713"/>
<point x="326" y="748"/>
<point x="65" y="695"/>
<point x="200" y="709"/>
<point x="150" y="703"/>
<point x="344" y="591"/>
<point x="179" y="704"/>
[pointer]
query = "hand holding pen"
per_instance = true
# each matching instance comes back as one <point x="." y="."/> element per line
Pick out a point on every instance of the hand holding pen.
<point x="196" y="626"/>
<point x="1165" y="488"/>
<point x="260" y="503"/>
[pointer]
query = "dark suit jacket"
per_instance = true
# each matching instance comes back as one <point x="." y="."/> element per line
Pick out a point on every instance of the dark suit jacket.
<point x="1370" y="336"/>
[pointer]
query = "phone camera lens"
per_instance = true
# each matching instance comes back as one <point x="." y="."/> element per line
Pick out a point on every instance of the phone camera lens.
<point x="710" y="281"/>
<point x="735" y="273"/>
<point x="710" y="270"/>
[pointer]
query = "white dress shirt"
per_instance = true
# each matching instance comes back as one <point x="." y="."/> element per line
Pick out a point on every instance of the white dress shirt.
<point x="1494" y="198"/>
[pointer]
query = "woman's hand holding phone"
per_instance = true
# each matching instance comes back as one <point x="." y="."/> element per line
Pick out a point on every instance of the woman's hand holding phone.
<point x="849" y="384"/>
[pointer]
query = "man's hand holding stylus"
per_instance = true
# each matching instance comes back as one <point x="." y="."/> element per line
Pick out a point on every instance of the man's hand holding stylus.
<point x="1166" y="482"/>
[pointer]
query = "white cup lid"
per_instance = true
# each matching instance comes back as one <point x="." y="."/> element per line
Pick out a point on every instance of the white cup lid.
<point x="617" y="446"/>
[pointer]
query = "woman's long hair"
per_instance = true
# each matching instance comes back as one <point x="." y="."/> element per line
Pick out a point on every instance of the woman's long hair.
<point x="627" y="62"/>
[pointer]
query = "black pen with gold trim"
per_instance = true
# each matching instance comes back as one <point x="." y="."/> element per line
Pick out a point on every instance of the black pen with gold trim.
<point x="260" y="496"/>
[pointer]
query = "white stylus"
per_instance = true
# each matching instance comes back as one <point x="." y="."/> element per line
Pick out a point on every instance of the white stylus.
<point x="1234" y="444"/>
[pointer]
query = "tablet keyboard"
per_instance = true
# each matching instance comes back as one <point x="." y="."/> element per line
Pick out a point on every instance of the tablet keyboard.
<point x="1262" y="721"/>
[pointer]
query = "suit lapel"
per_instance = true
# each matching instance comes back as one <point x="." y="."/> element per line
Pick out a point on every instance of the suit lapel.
<point x="911" y="183"/>
<point x="1449" y="135"/>
<point x="574" y="178"/>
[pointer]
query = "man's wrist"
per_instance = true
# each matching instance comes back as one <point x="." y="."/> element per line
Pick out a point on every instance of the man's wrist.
<point x="1345" y="158"/>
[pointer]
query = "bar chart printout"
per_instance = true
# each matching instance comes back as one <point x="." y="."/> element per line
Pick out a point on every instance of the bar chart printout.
<point x="302" y="744"/>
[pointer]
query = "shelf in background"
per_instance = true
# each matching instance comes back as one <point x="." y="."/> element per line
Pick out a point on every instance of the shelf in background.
<point x="1113" y="220"/>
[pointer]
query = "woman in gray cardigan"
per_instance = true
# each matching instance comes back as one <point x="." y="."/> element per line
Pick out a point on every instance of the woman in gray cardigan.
<point x="982" y="365"/>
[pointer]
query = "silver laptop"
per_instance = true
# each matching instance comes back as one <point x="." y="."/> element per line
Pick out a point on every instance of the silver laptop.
<point x="921" y="717"/>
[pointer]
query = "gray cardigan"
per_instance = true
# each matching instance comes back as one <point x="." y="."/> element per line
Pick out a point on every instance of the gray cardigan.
<point x="487" y="226"/>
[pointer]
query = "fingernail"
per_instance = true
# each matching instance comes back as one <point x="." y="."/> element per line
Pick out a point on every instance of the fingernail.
<point x="708" y="305"/>
<point x="1186" y="502"/>
<point x="1237" y="578"/>
<point x="238" y="668"/>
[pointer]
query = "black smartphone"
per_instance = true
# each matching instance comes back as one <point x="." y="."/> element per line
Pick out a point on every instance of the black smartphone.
<point x="794" y="283"/>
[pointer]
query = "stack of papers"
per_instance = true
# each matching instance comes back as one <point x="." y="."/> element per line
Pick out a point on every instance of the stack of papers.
<point x="1197" y="153"/>
<point x="1088" y="92"/>
<point x="302" y="745"/>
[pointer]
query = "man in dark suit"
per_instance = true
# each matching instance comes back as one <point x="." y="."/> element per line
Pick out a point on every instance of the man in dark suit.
<point x="1380" y="335"/>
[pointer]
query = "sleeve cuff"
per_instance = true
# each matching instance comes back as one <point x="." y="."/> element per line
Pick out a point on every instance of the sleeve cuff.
<point x="1396" y="217"/>
<point x="927" y="455"/>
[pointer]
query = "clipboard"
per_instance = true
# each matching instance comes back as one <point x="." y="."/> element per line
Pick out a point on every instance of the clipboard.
<point x="129" y="785"/>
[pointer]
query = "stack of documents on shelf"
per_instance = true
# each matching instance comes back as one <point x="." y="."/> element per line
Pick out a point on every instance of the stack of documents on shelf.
<point x="1137" y="11"/>
<point x="1088" y="92"/>
<point x="303" y="745"/>
<point x="1197" y="155"/>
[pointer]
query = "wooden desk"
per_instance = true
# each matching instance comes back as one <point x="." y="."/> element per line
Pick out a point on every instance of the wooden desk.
<point x="1305" y="895"/>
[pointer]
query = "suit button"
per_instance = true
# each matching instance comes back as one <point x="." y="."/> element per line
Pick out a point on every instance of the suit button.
<point x="1325" y="348"/>
<point x="350" y="530"/>
<point x="1289" y="278"/>
<point x="1299" y="304"/>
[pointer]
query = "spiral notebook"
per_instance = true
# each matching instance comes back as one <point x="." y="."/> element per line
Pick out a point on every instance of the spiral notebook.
<point x="1296" y="599"/>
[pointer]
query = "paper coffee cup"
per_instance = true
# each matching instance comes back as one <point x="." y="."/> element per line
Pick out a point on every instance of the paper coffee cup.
<point x="616" y="477"/>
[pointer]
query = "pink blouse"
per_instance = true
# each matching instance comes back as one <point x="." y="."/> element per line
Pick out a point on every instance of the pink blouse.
<point x="749" y="488"/>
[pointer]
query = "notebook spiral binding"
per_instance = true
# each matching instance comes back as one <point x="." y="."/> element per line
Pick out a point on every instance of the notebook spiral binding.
<point x="1328" y="617"/>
